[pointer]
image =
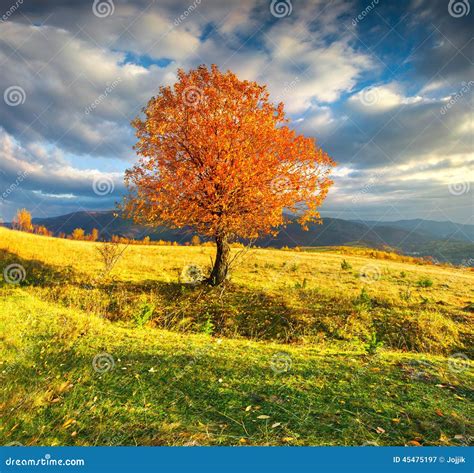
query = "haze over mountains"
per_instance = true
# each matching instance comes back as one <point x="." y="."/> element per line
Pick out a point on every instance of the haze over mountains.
<point x="444" y="241"/>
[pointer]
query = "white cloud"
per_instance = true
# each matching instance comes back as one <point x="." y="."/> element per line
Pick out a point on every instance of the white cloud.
<point x="309" y="60"/>
<point x="63" y="76"/>
<point x="383" y="97"/>
<point x="325" y="71"/>
<point x="47" y="167"/>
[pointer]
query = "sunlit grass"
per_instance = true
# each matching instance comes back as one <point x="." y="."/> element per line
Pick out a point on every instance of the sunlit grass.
<point x="223" y="375"/>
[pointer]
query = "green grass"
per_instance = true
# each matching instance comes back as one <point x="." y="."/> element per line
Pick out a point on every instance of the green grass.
<point x="263" y="361"/>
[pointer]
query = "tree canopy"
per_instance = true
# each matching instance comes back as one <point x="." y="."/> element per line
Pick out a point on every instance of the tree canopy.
<point x="218" y="156"/>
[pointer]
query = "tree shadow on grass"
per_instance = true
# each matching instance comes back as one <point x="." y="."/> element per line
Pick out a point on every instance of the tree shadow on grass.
<point x="234" y="311"/>
<point x="175" y="397"/>
<point x="231" y="311"/>
<point x="30" y="272"/>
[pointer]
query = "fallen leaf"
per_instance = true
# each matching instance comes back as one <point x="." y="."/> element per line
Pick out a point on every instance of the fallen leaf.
<point x="379" y="430"/>
<point x="263" y="417"/>
<point x="276" y="424"/>
<point x="439" y="413"/>
<point x="396" y="420"/>
<point x="248" y="408"/>
<point x="443" y="438"/>
<point x="414" y="443"/>
<point x="287" y="439"/>
<point x="68" y="423"/>
<point x="64" y="386"/>
<point x="242" y="440"/>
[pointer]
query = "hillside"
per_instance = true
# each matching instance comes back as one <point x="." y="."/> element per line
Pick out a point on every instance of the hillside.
<point x="298" y="348"/>
<point x="444" y="241"/>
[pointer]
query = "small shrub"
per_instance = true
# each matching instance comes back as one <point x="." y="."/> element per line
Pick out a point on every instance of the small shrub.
<point x="405" y="294"/>
<point x="302" y="285"/>
<point x="345" y="265"/>
<point x="425" y="282"/>
<point x="425" y="300"/>
<point x="363" y="300"/>
<point x="109" y="252"/>
<point x="373" y="344"/>
<point x="207" y="327"/>
<point x="145" y="314"/>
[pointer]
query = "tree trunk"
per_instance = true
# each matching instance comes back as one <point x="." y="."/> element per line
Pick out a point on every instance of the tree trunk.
<point x="221" y="264"/>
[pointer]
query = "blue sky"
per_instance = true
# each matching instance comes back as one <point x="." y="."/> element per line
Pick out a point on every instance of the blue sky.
<point x="385" y="87"/>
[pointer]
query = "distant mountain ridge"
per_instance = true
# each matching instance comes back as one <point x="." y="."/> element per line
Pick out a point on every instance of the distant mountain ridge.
<point x="445" y="241"/>
<point x="442" y="230"/>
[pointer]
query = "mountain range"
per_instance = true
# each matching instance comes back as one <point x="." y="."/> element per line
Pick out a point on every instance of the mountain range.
<point x="444" y="241"/>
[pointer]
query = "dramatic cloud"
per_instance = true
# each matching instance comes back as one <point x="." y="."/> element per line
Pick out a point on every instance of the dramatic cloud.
<point x="384" y="87"/>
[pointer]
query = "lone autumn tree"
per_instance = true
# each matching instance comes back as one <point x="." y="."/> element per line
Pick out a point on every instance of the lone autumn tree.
<point x="217" y="156"/>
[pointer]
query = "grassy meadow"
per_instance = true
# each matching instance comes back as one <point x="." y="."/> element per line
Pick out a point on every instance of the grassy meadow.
<point x="329" y="347"/>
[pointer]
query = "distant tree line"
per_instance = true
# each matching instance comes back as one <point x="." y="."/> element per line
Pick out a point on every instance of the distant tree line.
<point x="23" y="222"/>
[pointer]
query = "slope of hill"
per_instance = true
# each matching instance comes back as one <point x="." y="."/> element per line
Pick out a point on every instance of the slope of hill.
<point x="287" y="353"/>
<point x="332" y="232"/>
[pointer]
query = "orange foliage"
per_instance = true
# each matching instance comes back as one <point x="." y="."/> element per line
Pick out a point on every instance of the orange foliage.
<point x="217" y="155"/>
<point x="42" y="230"/>
<point x="94" y="236"/>
<point x="195" y="240"/>
<point x="22" y="221"/>
<point x="78" y="234"/>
